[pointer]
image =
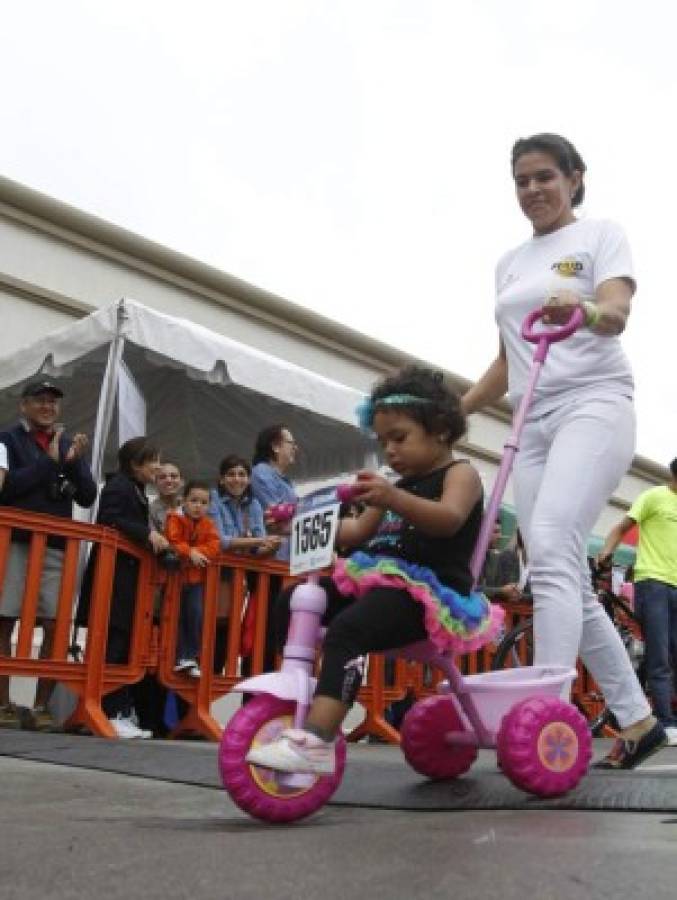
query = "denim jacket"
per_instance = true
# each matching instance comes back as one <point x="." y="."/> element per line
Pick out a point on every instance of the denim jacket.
<point x="270" y="487"/>
<point x="236" y="519"/>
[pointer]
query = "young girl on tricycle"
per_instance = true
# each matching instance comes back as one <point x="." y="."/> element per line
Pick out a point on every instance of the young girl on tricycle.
<point x="411" y="580"/>
<point x="409" y="588"/>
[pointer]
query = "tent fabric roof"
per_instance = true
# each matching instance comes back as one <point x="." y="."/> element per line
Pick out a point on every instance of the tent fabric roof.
<point x="201" y="353"/>
<point x="206" y="394"/>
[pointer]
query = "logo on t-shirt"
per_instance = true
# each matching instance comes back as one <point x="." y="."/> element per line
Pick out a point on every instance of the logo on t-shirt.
<point x="388" y="536"/>
<point x="569" y="267"/>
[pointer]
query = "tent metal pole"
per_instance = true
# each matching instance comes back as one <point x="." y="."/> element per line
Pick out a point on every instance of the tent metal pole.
<point x="104" y="417"/>
<point x="109" y="389"/>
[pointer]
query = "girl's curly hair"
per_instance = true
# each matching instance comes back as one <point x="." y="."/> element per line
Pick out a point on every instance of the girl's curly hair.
<point x="434" y="405"/>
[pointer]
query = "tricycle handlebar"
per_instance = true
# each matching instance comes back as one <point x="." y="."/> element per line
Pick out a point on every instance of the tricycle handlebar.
<point x="284" y="512"/>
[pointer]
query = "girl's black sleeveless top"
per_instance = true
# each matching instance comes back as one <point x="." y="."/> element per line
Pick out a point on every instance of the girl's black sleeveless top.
<point x="448" y="557"/>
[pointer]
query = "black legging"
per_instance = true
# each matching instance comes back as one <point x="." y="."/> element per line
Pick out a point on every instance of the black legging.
<point x="384" y="618"/>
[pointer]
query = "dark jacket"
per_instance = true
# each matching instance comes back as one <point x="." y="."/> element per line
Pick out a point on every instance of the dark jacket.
<point x="500" y="568"/>
<point x="123" y="505"/>
<point x="36" y="483"/>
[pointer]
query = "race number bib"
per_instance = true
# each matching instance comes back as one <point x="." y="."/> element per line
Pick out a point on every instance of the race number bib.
<point x="313" y="532"/>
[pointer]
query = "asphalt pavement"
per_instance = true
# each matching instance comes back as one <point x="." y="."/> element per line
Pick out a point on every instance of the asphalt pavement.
<point x="70" y="832"/>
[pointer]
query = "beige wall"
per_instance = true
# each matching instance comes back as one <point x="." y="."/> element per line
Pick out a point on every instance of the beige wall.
<point x="22" y="321"/>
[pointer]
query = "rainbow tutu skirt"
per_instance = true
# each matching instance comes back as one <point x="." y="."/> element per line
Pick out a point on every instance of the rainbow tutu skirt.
<point x="454" y="623"/>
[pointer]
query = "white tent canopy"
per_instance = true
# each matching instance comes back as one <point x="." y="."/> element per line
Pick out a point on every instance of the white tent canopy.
<point x="206" y="395"/>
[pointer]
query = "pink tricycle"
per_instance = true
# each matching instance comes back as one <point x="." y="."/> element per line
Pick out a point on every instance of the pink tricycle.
<point x="543" y="743"/>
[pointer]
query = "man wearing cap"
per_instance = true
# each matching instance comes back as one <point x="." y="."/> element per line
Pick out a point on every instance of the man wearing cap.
<point x="42" y="470"/>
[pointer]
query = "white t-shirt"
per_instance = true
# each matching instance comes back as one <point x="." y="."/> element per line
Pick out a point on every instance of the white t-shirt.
<point x="4" y="464"/>
<point x="578" y="257"/>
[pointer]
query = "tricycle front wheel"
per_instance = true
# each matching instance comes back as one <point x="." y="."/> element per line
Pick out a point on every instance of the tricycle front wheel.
<point x="264" y="793"/>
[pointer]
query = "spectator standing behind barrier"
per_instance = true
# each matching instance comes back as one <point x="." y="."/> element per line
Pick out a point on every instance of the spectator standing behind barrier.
<point x="274" y="454"/>
<point x="579" y="435"/>
<point x="42" y="470"/>
<point x="123" y="505"/>
<point x="150" y="695"/>
<point x="169" y="484"/>
<point x="239" y="518"/>
<point x="194" y="536"/>
<point x="655" y="597"/>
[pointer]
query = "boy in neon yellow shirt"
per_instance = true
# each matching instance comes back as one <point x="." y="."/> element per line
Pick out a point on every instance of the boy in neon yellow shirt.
<point x="655" y="512"/>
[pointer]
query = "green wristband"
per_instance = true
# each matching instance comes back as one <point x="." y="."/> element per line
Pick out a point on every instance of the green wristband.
<point x="592" y="313"/>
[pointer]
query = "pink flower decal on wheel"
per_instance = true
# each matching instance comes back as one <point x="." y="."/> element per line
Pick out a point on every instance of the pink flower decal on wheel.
<point x="557" y="746"/>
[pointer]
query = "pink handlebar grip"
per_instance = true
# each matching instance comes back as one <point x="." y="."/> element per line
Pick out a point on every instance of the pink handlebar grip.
<point x="551" y="337"/>
<point x="347" y="492"/>
<point x="281" y="512"/>
<point x="285" y="512"/>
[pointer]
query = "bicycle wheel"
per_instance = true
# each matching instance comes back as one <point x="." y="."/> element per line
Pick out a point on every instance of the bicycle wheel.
<point x="516" y="649"/>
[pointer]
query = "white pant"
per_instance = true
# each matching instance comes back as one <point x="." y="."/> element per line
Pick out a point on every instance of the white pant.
<point x="569" y="463"/>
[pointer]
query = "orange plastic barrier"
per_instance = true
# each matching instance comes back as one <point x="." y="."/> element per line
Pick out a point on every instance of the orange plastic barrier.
<point x="374" y="695"/>
<point x="153" y="650"/>
<point x="90" y="679"/>
<point x="200" y="693"/>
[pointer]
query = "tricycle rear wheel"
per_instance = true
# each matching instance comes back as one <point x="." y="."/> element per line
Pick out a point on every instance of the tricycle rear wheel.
<point x="544" y="746"/>
<point x="424" y="743"/>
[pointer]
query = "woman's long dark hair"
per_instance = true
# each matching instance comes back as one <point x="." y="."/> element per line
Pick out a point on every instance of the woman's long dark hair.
<point x="137" y="451"/>
<point x="263" y="449"/>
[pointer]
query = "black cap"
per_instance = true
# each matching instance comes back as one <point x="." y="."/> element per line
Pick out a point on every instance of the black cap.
<point x="34" y="388"/>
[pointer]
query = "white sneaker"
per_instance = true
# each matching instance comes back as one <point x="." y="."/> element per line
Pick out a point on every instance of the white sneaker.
<point x="195" y="672"/>
<point x="672" y="736"/>
<point x="296" y="751"/>
<point x="185" y="665"/>
<point x="125" y="729"/>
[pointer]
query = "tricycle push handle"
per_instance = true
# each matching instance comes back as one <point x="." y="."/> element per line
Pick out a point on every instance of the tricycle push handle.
<point x="559" y="333"/>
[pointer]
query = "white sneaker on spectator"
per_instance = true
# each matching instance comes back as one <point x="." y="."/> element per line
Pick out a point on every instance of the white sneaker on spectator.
<point x="125" y="729"/>
<point x="672" y="736"/>
<point x="296" y="751"/>
<point x="185" y="665"/>
<point x="195" y="671"/>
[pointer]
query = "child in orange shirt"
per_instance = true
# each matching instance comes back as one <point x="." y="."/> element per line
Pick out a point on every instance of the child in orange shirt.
<point x="195" y="538"/>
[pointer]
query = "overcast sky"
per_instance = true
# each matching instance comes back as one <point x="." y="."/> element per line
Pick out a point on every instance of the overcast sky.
<point x="352" y="157"/>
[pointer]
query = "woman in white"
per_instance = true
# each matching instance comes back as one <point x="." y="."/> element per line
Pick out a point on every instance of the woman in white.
<point x="579" y="437"/>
